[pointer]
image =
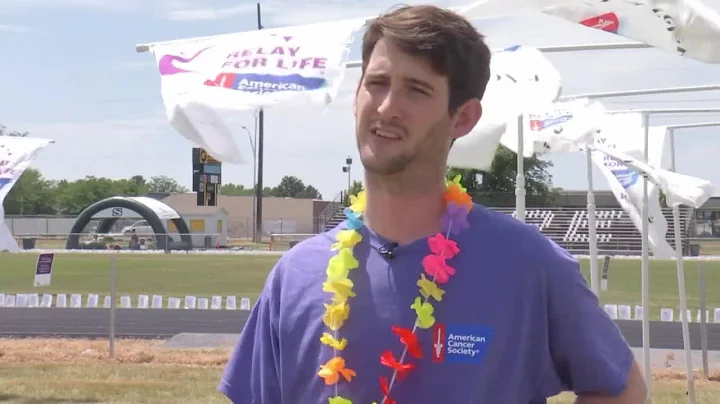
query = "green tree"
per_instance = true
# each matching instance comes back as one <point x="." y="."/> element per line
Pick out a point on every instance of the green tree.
<point x="73" y="197"/>
<point x="496" y="187"/>
<point x="293" y="187"/>
<point x="31" y="195"/>
<point x="355" y="189"/>
<point x="165" y="184"/>
<point x="235" y="190"/>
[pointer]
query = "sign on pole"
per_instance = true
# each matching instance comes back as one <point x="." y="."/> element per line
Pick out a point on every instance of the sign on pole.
<point x="43" y="269"/>
<point x="605" y="268"/>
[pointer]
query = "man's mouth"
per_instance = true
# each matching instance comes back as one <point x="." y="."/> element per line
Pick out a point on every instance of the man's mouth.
<point x="384" y="134"/>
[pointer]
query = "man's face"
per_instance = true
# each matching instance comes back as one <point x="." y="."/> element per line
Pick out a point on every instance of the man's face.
<point x="401" y="113"/>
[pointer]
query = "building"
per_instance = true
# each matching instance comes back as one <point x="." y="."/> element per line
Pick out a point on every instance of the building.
<point x="208" y="226"/>
<point x="280" y="215"/>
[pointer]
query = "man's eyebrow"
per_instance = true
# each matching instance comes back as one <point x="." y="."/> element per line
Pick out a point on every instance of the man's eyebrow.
<point x="376" y="76"/>
<point x="420" y="83"/>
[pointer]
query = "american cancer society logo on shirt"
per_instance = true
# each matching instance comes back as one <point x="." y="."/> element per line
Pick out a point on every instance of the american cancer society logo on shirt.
<point x="460" y="343"/>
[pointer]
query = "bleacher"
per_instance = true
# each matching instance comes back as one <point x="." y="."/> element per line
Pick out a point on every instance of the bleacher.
<point x="616" y="234"/>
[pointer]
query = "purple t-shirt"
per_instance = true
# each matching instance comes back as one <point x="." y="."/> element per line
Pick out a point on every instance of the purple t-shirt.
<point x="517" y="324"/>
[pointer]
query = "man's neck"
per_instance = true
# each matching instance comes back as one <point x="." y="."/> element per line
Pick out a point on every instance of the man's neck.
<point x="404" y="217"/>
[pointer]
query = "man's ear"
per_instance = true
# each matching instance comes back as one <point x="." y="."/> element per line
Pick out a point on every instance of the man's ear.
<point x="466" y="117"/>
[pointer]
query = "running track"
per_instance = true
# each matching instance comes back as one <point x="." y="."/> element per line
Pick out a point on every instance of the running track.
<point x="165" y="323"/>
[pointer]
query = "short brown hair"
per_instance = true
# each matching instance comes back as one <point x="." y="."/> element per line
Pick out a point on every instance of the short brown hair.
<point x="450" y="43"/>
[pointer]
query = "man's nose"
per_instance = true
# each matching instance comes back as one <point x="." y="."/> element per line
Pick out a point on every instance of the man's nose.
<point x="391" y="103"/>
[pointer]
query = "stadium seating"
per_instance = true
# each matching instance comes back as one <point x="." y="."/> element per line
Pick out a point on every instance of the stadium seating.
<point x="616" y="233"/>
<point x="568" y="227"/>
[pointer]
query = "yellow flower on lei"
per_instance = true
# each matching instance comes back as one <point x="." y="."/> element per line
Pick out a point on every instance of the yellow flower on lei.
<point x="340" y="265"/>
<point x="346" y="239"/>
<point x="329" y="340"/>
<point x="339" y="400"/>
<point x="429" y="288"/>
<point x="357" y="203"/>
<point x="335" y="315"/>
<point x="342" y="288"/>
<point x="456" y="182"/>
<point x="424" y="311"/>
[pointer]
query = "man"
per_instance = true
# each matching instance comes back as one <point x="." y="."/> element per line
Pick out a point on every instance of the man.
<point x="516" y="323"/>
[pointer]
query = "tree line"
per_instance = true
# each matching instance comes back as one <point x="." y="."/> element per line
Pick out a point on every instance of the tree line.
<point x="35" y="195"/>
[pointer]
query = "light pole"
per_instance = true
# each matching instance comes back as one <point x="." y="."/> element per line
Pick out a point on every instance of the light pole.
<point x="254" y="200"/>
<point x="346" y="169"/>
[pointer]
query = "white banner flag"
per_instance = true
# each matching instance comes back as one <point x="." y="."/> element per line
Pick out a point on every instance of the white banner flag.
<point x="7" y="242"/>
<point x="679" y="189"/>
<point x="249" y="70"/>
<point x="625" y="133"/>
<point x="16" y="154"/>
<point x="683" y="27"/>
<point x="562" y="127"/>
<point x="521" y="78"/>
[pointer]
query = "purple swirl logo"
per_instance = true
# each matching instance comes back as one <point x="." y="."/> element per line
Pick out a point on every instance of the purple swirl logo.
<point x="169" y="63"/>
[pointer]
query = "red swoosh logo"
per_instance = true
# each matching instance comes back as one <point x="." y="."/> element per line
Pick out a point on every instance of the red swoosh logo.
<point x="607" y="22"/>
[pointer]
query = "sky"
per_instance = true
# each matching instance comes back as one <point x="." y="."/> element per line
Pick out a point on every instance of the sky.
<point x="71" y="73"/>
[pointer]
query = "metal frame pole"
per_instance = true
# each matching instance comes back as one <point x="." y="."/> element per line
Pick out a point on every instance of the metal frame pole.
<point x="520" y="175"/>
<point x="254" y="184"/>
<point x="592" y="225"/>
<point x="647" y="91"/>
<point x="141" y="48"/>
<point x="703" y="320"/>
<point x="645" y="267"/>
<point x="681" y="283"/>
<point x="113" y="295"/>
<point x="669" y="111"/>
<point x="257" y="234"/>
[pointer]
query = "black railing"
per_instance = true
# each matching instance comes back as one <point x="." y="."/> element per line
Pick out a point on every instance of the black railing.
<point x="329" y="212"/>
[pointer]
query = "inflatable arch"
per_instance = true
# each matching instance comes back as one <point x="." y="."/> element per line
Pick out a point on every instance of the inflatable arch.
<point x="111" y="209"/>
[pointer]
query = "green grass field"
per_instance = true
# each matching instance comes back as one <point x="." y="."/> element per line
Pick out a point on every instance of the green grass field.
<point x="168" y="275"/>
<point x="244" y="275"/>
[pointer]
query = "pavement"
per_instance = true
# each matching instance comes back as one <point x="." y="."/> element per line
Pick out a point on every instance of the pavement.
<point x="129" y="323"/>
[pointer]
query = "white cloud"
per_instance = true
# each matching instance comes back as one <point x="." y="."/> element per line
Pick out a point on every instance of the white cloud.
<point x="15" y="29"/>
<point x="278" y="13"/>
<point x="208" y="13"/>
<point x="179" y="10"/>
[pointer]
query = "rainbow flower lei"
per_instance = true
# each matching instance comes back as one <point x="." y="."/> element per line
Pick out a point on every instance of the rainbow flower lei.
<point x="337" y="311"/>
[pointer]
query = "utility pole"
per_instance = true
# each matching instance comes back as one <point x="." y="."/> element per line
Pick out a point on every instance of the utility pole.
<point x="257" y="234"/>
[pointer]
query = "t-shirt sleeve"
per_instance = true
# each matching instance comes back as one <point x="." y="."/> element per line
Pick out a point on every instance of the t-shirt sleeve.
<point x="251" y="375"/>
<point x="589" y="355"/>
